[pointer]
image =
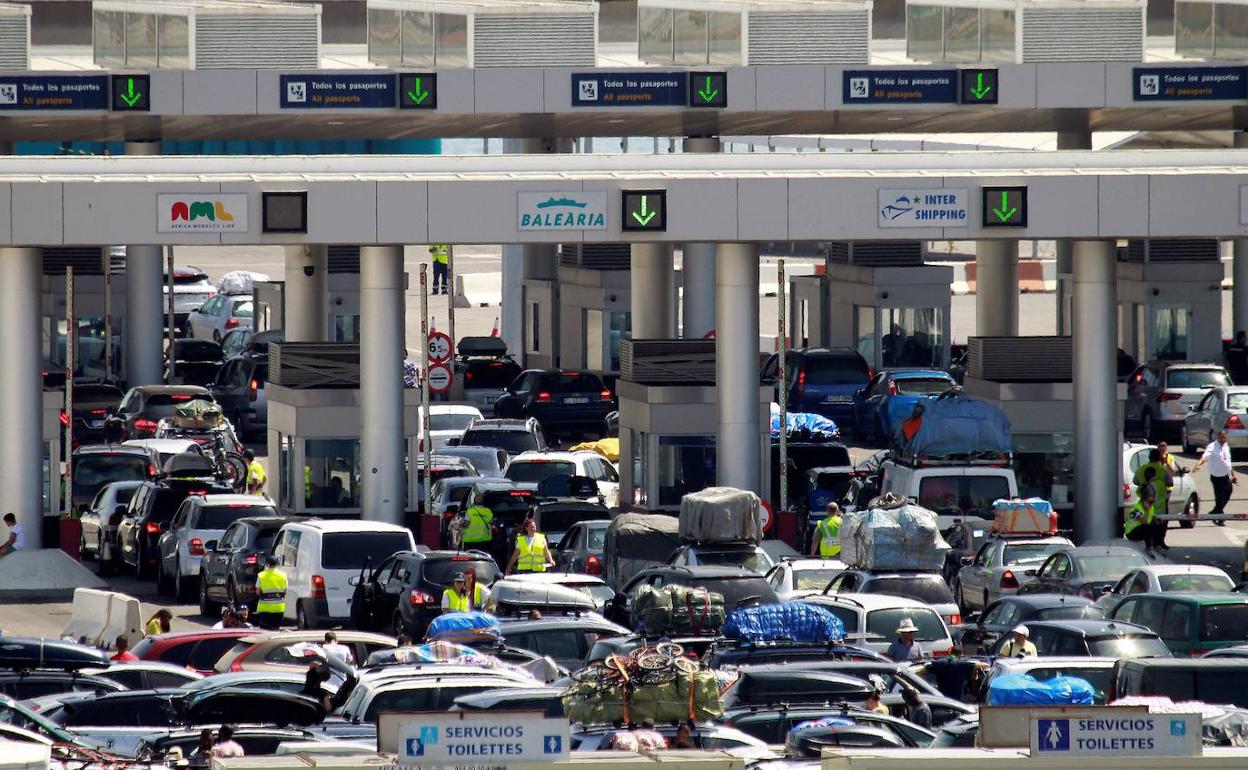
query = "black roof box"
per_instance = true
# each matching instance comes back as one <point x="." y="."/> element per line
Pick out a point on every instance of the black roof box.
<point x="482" y="346"/>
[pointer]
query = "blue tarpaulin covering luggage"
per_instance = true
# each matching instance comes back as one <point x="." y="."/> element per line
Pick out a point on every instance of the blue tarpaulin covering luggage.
<point x="957" y="425"/>
<point x="784" y="622"/>
<point x="463" y="628"/>
<point x="1024" y="690"/>
<point x="815" y="425"/>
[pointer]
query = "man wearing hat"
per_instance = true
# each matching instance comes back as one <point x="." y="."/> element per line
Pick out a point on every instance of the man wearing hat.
<point x="905" y="648"/>
<point x="456" y="599"/>
<point x="271" y="594"/>
<point x="1019" y="645"/>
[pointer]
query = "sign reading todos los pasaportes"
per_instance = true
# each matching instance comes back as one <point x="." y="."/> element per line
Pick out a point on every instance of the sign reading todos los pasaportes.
<point x="201" y="213"/>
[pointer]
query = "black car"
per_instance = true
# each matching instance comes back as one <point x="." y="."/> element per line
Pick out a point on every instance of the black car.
<point x="772" y="723"/>
<point x="93" y="402"/>
<point x="485" y="369"/>
<point x="229" y="566"/>
<point x="1093" y="638"/>
<point x="24" y="684"/>
<point x="190" y="361"/>
<point x="148" y="515"/>
<point x="183" y="708"/>
<point x="405" y="592"/>
<point x="547" y="699"/>
<point x="561" y="400"/>
<point x="28" y="652"/>
<point x="1004" y="614"/>
<point x="240" y="390"/>
<point x="580" y="548"/>
<point x="145" y="406"/>
<point x="256" y="742"/>
<point x="740" y="587"/>
<point x="556" y="517"/>
<point x="821" y="381"/>
<point x="98" y="465"/>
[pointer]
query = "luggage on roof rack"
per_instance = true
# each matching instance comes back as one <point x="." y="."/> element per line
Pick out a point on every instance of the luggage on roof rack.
<point x="956" y="427"/>
<point x="721" y="515"/>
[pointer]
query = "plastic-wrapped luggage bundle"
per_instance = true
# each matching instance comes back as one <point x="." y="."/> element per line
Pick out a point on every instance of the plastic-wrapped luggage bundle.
<point x="637" y="541"/>
<point x="678" y="611"/>
<point x="1030" y="516"/>
<point x="956" y="425"/>
<point x="721" y="515"/>
<point x="464" y="628"/>
<point x="693" y="695"/>
<point x="804" y="426"/>
<point x="1024" y="690"/>
<point x="784" y="622"/>
<point x="198" y="415"/>
<point x="892" y="534"/>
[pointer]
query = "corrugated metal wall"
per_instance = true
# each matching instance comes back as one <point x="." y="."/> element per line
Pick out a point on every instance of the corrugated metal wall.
<point x="553" y="40"/>
<point x="809" y="38"/>
<point x="257" y="42"/>
<point x="1083" y="35"/>
<point x="14" y="41"/>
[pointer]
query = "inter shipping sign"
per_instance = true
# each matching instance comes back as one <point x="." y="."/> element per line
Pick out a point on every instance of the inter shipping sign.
<point x="201" y="213"/>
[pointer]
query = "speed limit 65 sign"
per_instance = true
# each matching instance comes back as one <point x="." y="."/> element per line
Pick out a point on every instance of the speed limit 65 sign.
<point x="440" y="348"/>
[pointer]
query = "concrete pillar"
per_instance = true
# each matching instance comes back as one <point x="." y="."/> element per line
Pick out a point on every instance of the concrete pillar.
<point x="307" y="293"/>
<point x="1239" y="267"/>
<point x="145" y="302"/>
<point x="541" y="262"/>
<point x="21" y="390"/>
<point x="996" y="288"/>
<point x="1080" y="139"/>
<point x="738" y="437"/>
<point x="1097" y="450"/>
<point x="698" y="304"/>
<point x="653" y="310"/>
<point x="382" y="349"/>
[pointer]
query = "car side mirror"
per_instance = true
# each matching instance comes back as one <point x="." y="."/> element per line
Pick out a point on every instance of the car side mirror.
<point x="210" y="546"/>
<point x="120" y="511"/>
<point x="452" y="441"/>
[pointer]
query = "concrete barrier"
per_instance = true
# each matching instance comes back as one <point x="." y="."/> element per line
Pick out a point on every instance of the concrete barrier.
<point x="125" y="618"/>
<point x="89" y="616"/>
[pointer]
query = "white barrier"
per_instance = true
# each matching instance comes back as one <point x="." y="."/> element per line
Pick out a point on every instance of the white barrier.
<point x="125" y="618"/>
<point x="99" y="617"/>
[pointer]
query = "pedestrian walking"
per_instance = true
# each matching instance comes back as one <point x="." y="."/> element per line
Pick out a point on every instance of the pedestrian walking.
<point x="1218" y="455"/>
<point x="439" y="254"/>
<point x="826" y="541"/>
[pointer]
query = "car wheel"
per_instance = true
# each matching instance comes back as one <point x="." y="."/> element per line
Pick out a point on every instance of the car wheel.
<point x="205" y="604"/>
<point x="1184" y="439"/>
<point x="301" y="617"/>
<point x="181" y="585"/>
<point x="958" y="597"/>
<point x="1192" y="509"/>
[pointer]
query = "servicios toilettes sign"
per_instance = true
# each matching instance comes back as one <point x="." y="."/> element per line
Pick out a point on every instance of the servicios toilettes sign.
<point x="561" y="210"/>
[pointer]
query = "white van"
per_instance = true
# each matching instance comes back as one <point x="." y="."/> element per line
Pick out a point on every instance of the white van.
<point x="320" y="556"/>
<point x="952" y="491"/>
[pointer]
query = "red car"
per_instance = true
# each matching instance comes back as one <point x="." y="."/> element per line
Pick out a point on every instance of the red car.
<point x="199" y="650"/>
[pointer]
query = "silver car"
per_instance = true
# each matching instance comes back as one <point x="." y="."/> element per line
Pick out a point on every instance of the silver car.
<point x="1000" y="566"/>
<point x="1184" y="499"/>
<point x="198" y="523"/>
<point x="1223" y="408"/>
<point x="98" y="529"/>
<point x="1160" y="393"/>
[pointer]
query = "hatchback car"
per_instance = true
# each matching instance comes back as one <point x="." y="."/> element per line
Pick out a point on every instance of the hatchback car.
<point x="535" y="467"/>
<point x="148" y="515"/>
<point x="1222" y="408"/>
<point x="98" y="523"/>
<point x="890" y="397"/>
<point x="1094" y="638"/>
<point x="405" y="592"/>
<point x="795" y="578"/>
<point x="1160" y="395"/>
<point x="145" y="406"/>
<point x="192" y="362"/>
<point x="821" y="381"/>
<point x="200" y="520"/>
<point x="220" y="315"/>
<point x="196" y="650"/>
<point x="1000" y="567"/>
<point x="490" y="462"/>
<point x="1183" y="498"/>
<point x="1167" y="578"/>
<point x="871" y="620"/>
<point x="1190" y="624"/>
<point x="1000" y="617"/>
<point x="1087" y="571"/>
<point x="926" y="587"/>
<point x="512" y="436"/>
<point x="425" y="693"/>
<point x="191" y="289"/>
<point x="97" y="466"/>
<point x="562" y="401"/>
<point x="581" y="548"/>
<point x="230" y="565"/>
<point x="485" y="369"/>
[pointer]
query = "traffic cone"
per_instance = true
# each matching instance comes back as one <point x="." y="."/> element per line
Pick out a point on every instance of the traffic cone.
<point x="495" y="331"/>
<point x="433" y="323"/>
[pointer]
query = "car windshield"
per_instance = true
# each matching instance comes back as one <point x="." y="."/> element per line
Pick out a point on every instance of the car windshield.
<point x="508" y="503"/>
<point x="1097" y="677"/>
<point x="1029" y="552"/>
<point x="742" y="591"/>
<point x="538" y="470"/>
<point x="1128" y="647"/>
<point x="1196" y="378"/>
<point x="94" y="471"/>
<point x="573" y="382"/>
<point x="597" y="538"/>
<point x="1105" y="564"/>
<point x="813" y="579"/>
<point x="511" y="441"/>
<point x="561" y="520"/>
<point x="884" y="623"/>
<point x="442" y="571"/>
<point x="1224" y="623"/>
<point x="930" y="589"/>
<point x="836" y="370"/>
<point x="965" y="495"/>
<point x="752" y="560"/>
<point x="349" y="550"/>
<point x="1087" y="612"/>
<point x="1190" y="583"/>
<point x="922" y="386"/>
<point x="1237" y="401"/>
<point x="453" y="421"/>
<point x="222" y="516"/>
<point x="162" y="404"/>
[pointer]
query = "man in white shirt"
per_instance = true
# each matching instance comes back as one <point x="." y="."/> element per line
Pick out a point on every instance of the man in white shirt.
<point x="16" y="540"/>
<point x="340" y="651"/>
<point x="1218" y="455"/>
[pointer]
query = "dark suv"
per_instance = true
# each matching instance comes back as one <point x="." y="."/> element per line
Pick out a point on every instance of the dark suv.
<point x="148" y="515"/>
<point x="510" y="503"/>
<point x="403" y="594"/>
<point x="821" y="381"/>
<point x="511" y="436"/>
<point x="239" y="388"/>
<point x="230" y="564"/>
<point x="145" y="406"/>
<point x="97" y="466"/>
<point x="92" y="403"/>
<point x="568" y="401"/>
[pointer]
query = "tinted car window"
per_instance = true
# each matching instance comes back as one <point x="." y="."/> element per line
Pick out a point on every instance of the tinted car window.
<point x="178" y="655"/>
<point x="538" y="471"/>
<point x="163" y="404"/>
<point x="884" y="623"/>
<point x="450" y="421"/>
<point x="208" y="651"/>
<point x="503" y="502"/>
<point x="1195" y="583"/>
<point x="597" y="538"/>
<point x="490" y="374"/>
<point x="442" y="571"/>
<point x="94" y="471"/>
<point x="512" y="441"/>
<point x="423" y="699"/>
<point x="922" y="386"/>
<point x="1224" y="623"/>
<point x="1128" y="647"/>
<point x="836" y="370"/>
<point x="1196" y="378"/>
<point x="1236" y="401"/>
<point x="349" y="550"/>
<point x="572" y="382"/>
<point x="222" y="516"/>
<point x="561" y="520"/>
<point x="925" y="588"/>
<point x="166" y="500"/>
<point x="1069" y="613"/>
<point x="744" y="591"/>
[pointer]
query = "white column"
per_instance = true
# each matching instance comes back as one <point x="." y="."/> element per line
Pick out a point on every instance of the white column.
<point x="653" y="312"/>
<point x="145" y="302"/>
<point x="512" y="312"/>
<point x="307" y="293"/>
<point x="698" y="266"/>
<point x="738" y="436"/>
<point x="1098" y="453"/>
<point x="1079" y="139"/>
<point x="382" y="349"/>
<point x="996" y="288"/>
<point x="1239" y="268"/>
<point x="21" y="390"/>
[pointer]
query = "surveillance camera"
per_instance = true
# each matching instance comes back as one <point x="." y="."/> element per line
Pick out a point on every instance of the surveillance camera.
<point x="309" y="270"/>
<point x="1156" y="291"/>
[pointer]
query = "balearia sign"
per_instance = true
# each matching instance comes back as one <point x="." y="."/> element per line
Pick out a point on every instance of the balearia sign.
<point x="202" y="213"/>
<point x="561" y="211"/>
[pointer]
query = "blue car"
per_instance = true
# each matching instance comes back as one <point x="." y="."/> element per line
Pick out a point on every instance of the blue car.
<point x="881" y="406"/>
<point x="821" y="381"/>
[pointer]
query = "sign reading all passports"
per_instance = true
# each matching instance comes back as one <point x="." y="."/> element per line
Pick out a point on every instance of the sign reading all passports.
<point x="328" y="91"/>
<point x="54" y="92"/>
<point x="1178" y="84"/>
<point x="638" y="89"/>
<point x="900" y="86"/>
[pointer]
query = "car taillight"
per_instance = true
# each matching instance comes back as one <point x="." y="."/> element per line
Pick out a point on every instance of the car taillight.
<point x="99" y="411"/>
<point x="955" y="619"/>
<point x="467" y="376"/>
<point x="152" y="528"/>
<point x="1235" y="423"/>
<point x="145" y="426"/>
<point x="593" y="566"/>
<point x="318" y="587"/>
<point x="800" y="390"/>
<point x="195" y="547"/>
<point x="870" y="374"/>
<point x="250" y="559"/>
<point x="253" y="392"/>
<point x="604" y="395"/>
<point x="1196" y="652"/>
<point x="543" y="397"/>
<point x="942" y="653"/>
<point x="231" y="323"/>
<point x="419" y="598"/>
<point x="64" y="418"/>
<point x="1008" y="580"/>
<point x="1168" y="397"/>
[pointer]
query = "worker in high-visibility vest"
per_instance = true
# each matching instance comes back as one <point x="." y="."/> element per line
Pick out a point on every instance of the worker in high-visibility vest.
<point x="256" y="477"/>
<point x="478" y="528"/>
<point x="532" y="553"/>
<point x="439" y="254"/>
<point x="271" y="592"/>
<point x="457" y="598"/>
<point x="827" y="539"/>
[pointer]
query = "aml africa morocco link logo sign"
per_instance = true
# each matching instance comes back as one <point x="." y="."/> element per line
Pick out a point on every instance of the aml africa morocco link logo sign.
<point x="561" y="210"/>
<point x="202" y="212"/>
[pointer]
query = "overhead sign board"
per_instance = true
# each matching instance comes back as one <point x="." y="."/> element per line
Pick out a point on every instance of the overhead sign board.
<point x="1004" y="207"/>
<point x="894" y="86"/>
<point x="1177" y="84"/>
<point x="644" y="210"/>
<point x="923" y="208"/>
<point x="201" y="213"/>
<point x="632" y="89"/>
<point x="978" y="86"/>
<point x="459" y="739"/>
<point x="313" y="91"/>
<point x="54" y="92"/>
<point x="418" y="91"/>
<point x="561" y="210"/>
<point x="131" y="93"/>
<point x="1153" y="735"/>
<point x="708" y="89"/>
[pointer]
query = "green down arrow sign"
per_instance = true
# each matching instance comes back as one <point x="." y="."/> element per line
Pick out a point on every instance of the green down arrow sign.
<point x="131" y="97"/>
<point x="645" y="210"/>
<point x="1004" y="207"/>
<point x="646" y="214"/>
<point x="418" y="95"/>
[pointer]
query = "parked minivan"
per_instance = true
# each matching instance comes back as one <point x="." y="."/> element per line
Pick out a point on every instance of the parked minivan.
<point x="952" y="491"/>
<point x="321" y="556"/>
<point x="1217" y="681"/>
<point x="1190" y="624"/>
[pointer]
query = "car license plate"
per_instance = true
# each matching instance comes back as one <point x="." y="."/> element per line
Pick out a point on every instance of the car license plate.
<point x="837" y="399"/>
<point x="576" y="400"/>
<point x="95" y="423"/>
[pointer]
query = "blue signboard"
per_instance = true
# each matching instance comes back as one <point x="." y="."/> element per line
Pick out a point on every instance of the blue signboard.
<point x="900" y="86"/>
<point x="54" y="92"/>
<point x="337" y="92"/>
<point x="1177" y="84"/>
<point x="629" y="89"/>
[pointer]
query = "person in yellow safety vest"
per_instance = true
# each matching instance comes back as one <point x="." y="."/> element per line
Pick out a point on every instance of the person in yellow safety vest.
<point x="531" y="554"/>
<point x="1020" y="645"/>
<point x="479" y="527"/>
<point x="271" y="592"/>
<point x="456" y="598"/>
<point x="1138" y="522"/>
<point x="826" y="541"/>
<point x="438" y="253"/>
<point x="256" y="477"/>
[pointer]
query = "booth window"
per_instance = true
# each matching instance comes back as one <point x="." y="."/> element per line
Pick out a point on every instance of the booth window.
<point x="685" y="464"/>
<point x="1170" y="333"/>
<point x="915" y="337"/>
<point x="691" y="41"/>
<point x="1045" y="466"/>
<point x="864" y="332"/>
<point x="725" y="38"/>
<point x="109" y="34"/>
<point x="383" y="36"/>
<point x="450" y="40"/>
<point x="140" y="40"/>
<point x="331" y="473"/>
<point x="592" y="332"/>
<point x="621" y="328"/>
<point x="655" y="35"/>
<point x="285" y="497"/>
<point x="641" y="484"/>
<point x="346" y="328"/>
<point x="418" y="38"/>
